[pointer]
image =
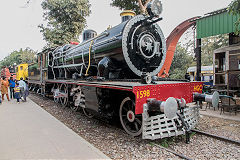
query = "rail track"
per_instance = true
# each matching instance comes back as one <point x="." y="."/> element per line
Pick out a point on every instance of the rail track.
<point x="173" y="152"/>
<point x="217" y="137"/>
<point x="225" y="139"/>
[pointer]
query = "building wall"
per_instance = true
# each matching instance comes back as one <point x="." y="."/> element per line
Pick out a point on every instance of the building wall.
<point x="216" y="24"/>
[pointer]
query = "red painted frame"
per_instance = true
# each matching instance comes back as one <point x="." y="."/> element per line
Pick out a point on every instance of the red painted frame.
<point x="158" y="91"/>
<point x="164" y="91"/>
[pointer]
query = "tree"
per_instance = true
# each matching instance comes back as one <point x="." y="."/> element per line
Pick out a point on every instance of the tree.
<point x="234" y="8"/>
<point x="181" y="62"/>
<point x="138" y="6"/>
<point x="27" y="55"/>
<point x="209" y="44"/>
<point x="22" y="56"/>
<point x="66" y="20"/>
<point x="183" y="57"/>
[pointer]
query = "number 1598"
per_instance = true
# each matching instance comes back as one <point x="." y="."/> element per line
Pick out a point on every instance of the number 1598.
<point x="143" y="94"/>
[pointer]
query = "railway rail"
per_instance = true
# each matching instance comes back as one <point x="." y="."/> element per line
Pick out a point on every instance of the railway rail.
<point x="225" y="139"/>
<point x="217" y="137"/>
<point x="173" y="152"/>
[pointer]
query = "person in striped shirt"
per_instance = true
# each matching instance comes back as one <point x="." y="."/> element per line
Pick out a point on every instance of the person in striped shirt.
<point x="17" y="92"/>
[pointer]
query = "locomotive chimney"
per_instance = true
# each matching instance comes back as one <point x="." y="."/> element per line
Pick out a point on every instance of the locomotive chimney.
<point x="89" y="34"/>
<point x="127" y="14"/>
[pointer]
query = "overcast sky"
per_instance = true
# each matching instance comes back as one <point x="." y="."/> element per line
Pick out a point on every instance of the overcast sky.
<point x="19" y="21"/>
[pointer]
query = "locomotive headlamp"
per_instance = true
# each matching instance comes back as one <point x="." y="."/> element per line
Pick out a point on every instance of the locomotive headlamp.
<point x="154" y="8"/>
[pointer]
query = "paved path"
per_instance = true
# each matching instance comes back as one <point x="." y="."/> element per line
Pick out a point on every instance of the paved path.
<point x="29" y="132"/>
<point x="216" y="113"/>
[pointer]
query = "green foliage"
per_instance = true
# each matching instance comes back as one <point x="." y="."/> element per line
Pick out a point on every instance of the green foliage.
<point x="183" y="58"/>
<point x="152" y="144"/>
<point x="209" y="44"/>
<point x="33" y="67"/>
<point x="192" y="134"/>
<point x="128" y="5"/>
<point x="22" y="56"/>
<point x="66" y="20"/>
<point x="164" y="143"/>
<point x="234" y="8"/>
<point x="181" y="62"/>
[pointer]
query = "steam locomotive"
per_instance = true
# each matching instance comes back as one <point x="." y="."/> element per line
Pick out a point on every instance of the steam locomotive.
<point x="113" y="75"/>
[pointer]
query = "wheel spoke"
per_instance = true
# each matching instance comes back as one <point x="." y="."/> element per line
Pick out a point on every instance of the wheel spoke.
<point x="64" y="100"/>
<point x="86" y="112"/>
<point x="138" y="115"/>
<point x="132" y="124"/>
<point x="125" y="109"/>
<point x="74" y="108"/>
<point x="131" y="106"/>
<point x="126" y="122"/>
<point x="136" y="126"/>
<point x="128" y="106"/>
<point x="138" y="121"/>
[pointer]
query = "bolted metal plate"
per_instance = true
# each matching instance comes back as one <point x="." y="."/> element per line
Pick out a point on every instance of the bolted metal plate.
<point x="162" y="92"/>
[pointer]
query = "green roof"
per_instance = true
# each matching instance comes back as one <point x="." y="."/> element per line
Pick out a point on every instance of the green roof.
<point x="216" y="23"/>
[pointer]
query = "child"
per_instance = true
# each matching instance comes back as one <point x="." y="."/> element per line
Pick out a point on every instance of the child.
<point x="17" y="92"/>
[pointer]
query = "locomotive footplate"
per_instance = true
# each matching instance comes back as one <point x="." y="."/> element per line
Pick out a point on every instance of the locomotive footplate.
<point x="127" y="85"/>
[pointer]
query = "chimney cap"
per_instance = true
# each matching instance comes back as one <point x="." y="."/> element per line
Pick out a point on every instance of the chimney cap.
<point x="127" y="13"/>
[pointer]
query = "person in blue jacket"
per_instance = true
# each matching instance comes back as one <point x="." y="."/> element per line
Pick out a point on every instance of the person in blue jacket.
<point x="11" y="87"/>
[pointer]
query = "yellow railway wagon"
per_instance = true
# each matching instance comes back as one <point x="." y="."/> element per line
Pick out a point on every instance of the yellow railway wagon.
<point x="22" y="71"/>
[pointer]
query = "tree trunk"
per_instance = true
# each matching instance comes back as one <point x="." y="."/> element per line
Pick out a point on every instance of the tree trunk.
<point x="143" y="7"/>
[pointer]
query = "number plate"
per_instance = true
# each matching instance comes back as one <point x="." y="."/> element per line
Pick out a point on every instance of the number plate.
<point x="143" y="94"/>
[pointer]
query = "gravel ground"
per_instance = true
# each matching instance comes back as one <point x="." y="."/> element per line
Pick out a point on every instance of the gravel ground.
<point x="116" y="144"/>
<point x="221" y="127"/>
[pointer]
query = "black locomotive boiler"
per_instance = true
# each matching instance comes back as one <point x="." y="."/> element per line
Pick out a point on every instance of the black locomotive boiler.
<point x="113" y="75"/>
<point x="126" y="51"/>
